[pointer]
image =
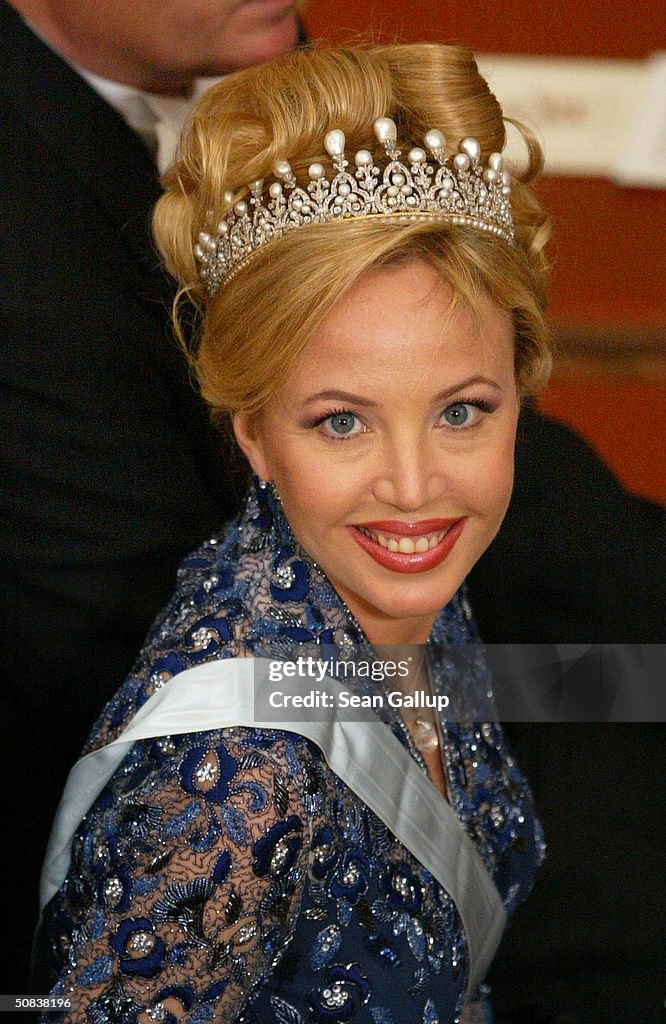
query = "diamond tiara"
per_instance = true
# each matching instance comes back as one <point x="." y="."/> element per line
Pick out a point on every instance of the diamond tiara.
<point x="459" y="190"/>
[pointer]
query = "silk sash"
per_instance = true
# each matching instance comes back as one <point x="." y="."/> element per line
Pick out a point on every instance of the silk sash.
<point x="364" y="754"/>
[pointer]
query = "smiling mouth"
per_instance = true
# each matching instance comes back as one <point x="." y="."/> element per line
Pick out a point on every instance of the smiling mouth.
<point x="406" y="545"/>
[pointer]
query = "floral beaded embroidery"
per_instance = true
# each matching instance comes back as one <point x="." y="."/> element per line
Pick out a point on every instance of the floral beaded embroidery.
<point x="230" y="874"/>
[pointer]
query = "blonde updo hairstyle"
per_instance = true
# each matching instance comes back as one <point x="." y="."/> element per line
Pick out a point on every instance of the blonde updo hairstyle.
<point x="255" y="327"/>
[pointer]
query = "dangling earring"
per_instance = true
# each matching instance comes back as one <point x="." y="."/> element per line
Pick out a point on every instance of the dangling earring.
<point x="271" y="489"/>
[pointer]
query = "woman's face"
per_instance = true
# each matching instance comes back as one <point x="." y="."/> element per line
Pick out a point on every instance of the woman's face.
<point x="391" y="446"/>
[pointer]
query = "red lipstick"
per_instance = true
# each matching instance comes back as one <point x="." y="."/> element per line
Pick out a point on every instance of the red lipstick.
<point x="394" y="530"/>
<point x="417" y="529"/>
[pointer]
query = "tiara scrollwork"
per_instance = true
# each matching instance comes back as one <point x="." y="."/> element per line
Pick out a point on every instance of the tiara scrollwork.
<point x="460" y="190"/>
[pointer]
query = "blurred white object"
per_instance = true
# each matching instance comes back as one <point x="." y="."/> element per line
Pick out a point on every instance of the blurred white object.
<point x="643" y="160"/>
<point x="594" y="117"/>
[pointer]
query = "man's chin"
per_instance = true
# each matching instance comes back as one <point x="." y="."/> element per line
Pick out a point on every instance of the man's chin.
<point x="278" y="33"/>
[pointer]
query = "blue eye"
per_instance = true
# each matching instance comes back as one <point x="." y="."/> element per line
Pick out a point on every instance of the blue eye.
<point x="460" y="414"/>
<point x="338" y="425"/>
<point x="341" y="422"/>
<point x="466" y="414"/>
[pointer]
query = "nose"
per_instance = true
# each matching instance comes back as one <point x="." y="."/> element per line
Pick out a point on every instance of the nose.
<point x="410" y="476"/>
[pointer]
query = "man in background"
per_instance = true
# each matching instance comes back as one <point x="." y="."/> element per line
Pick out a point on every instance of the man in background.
<point x="110" y="471"/>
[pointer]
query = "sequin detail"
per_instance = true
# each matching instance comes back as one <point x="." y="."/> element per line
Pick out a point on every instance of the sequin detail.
<point x="231" y="875"/>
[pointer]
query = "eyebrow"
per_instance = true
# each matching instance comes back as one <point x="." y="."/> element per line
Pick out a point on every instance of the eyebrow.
<point x="342" y="396"/>
<point x="468" y="382"/>
<point x="336" y="395"/>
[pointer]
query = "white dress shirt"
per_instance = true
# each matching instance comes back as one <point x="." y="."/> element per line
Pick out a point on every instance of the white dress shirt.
<point x="158" y="119"/>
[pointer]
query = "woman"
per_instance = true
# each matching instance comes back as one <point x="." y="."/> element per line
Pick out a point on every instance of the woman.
<point x="369" y="324"/>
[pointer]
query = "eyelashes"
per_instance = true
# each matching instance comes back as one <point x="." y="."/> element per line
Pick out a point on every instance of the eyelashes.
<point x="458" y="416"/>
<point x="340" y="424"/>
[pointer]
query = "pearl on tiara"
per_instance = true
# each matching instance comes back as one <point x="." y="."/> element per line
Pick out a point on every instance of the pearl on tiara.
<point x="458" y="190"/>
<point x="385" y="129"/>
<point x="434" y="141"/>
<point x="363" y="158"/>
<point x="471" y="148"/>
<point x="334" y="142"/>
<point x="417" y="155"/>
<point x="282" y="170"/>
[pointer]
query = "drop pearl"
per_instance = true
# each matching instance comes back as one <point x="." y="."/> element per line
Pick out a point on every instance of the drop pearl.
<point x="385" y="129"/>
<point x="434" y="139"/>
<point x="334" y="142"/>
<point x="471" y="148"/>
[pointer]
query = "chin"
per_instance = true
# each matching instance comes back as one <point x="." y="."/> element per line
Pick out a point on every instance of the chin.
<point x="401" y="604"/>
<point x="279" y="36"/>
<point x="415" y="606"/>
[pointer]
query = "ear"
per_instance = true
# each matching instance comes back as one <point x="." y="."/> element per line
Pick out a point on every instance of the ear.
<point x="249" y="436"/>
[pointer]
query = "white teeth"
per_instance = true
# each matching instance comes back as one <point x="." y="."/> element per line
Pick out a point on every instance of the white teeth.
<point x="406" y="545"/>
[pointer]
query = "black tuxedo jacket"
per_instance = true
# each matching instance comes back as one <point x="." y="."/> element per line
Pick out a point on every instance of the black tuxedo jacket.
<point x="110" y="471"/>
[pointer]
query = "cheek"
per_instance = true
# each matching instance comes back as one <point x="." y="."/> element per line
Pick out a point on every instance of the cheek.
<point x="499" y="479"/>
<point x="497" y="462"/>
<point x="322" y="495"/>
<point x="487" y="482"/>
<point x="304" y="488"/>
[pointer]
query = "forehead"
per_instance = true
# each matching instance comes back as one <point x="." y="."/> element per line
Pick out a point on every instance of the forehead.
<point x="405" y="321"/>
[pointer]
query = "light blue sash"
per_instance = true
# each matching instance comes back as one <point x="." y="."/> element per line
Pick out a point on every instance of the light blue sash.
<point x="364" y="754"/>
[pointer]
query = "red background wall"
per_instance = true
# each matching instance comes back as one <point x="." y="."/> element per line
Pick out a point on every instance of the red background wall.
<point x="608" y="295"/>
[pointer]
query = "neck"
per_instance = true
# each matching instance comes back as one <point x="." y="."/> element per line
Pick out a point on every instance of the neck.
<point x="382" y="630"/>
<point x="411" y="658"/>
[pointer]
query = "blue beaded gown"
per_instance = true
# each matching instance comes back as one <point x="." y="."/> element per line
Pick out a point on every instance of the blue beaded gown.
<point x="231" y="875"/>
